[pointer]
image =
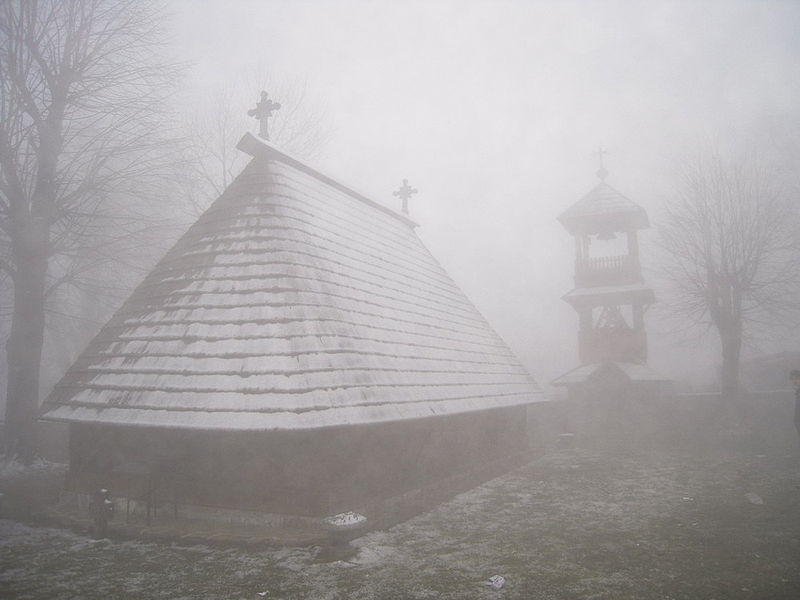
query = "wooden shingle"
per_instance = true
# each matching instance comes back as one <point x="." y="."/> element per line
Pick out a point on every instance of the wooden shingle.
<point x="294" y="302"/>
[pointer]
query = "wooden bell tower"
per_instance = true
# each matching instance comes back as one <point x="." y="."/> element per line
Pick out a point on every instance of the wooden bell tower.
<point x="610" y="295"/>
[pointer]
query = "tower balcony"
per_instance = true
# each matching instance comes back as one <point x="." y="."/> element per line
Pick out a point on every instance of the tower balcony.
<point x="607" y="270"/>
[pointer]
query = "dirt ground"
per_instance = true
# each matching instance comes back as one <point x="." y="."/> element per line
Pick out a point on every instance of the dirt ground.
<point x="572" y="524"/>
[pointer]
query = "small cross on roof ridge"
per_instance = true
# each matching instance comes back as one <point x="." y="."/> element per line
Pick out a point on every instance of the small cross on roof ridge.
<point x="263" y="111"/>
<point x="404" y="193"/>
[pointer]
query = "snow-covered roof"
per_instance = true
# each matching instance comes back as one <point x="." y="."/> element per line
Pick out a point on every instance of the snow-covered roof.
<point x="603" y="209"/>
<point x="610" y="294"/>
<point x="294" y="302"/>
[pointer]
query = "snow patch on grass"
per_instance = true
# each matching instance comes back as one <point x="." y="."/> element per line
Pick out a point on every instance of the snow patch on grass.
<point x="574" y="526"/>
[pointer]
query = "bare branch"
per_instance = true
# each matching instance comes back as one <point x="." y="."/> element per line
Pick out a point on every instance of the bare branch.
<point x="730" y="238"/>
<point x="84" y="152"/>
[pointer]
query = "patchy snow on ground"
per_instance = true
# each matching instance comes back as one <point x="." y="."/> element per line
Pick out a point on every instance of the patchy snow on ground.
<point x="570" y="526"/>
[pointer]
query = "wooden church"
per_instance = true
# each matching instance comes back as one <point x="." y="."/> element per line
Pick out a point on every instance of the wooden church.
<point x="610" y="297"/>
<point x="297" y="352"/>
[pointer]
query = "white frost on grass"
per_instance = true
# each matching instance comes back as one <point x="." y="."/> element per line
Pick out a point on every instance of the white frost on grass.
<point x="12" y="533"/>
<point x="374" y="548"/>
<point x="292" y="559"/>
<point x="601" y="531"/>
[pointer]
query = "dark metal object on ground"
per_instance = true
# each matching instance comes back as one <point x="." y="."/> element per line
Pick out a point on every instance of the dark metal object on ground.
<point x="101" y="508"/>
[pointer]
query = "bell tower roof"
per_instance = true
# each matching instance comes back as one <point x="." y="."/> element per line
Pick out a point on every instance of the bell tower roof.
<point x="603" y="209"/>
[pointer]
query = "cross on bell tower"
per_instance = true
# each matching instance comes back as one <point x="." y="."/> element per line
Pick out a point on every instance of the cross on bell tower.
<point x="404" y="193"/>
<point x="602" y="172"/>
<point x="263" y="111"/>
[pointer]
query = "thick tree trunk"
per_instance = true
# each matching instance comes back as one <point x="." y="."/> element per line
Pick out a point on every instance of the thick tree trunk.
<point x="30" y="245"/>
<point x="731" y="351"/>
<point x="24" y="346"/>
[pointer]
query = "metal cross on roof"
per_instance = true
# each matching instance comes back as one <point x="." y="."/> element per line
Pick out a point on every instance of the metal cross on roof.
<point x="263" y="111"/>
<point x="404" y="193"/>
<point x="602" y="172"/>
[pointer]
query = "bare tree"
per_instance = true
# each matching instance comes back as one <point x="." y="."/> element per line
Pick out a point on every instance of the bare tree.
<point x="82" y="91"/>
<point x="732" y="242"/>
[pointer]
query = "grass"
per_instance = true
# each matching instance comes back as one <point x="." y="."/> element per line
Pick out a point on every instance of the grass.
<point x="569" y="525"/>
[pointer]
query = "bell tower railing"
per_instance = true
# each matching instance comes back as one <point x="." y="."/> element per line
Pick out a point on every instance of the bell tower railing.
<point x="607" y="270"/>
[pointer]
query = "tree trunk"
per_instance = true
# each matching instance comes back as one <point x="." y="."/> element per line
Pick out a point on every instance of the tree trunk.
<point x="30" y="245"/>
<point x="731" y="350"/>
<point x="24" y="346"/>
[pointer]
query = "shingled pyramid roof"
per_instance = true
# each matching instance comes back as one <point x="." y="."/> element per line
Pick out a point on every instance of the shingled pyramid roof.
<point x="603" y="208"/>
<point x="292" y="303"/>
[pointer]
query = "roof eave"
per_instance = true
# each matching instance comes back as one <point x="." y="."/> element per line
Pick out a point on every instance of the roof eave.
<point x="645" y="295"/>
<point x="283" y="421"/>
<point x="599" y="223"/>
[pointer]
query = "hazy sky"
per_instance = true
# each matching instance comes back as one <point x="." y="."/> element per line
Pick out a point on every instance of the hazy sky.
<point x="492" y="110"/>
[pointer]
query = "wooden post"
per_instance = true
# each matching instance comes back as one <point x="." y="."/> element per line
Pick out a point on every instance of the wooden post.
<point x="633" y="244"/>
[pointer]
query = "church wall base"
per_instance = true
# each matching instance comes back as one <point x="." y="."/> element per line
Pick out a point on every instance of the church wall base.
<point x="387" y="472"/>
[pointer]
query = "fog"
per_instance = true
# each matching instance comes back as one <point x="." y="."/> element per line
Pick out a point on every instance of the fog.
<point x="298" y="382"/>
<point x="493" y="109"/>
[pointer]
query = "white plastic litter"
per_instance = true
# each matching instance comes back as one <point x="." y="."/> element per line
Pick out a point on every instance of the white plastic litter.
<point x="754" y="498"/>
<point x="496" y="582"/>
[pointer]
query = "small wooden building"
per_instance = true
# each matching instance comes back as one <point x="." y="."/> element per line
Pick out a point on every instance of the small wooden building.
<point x="298" y="351"/>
